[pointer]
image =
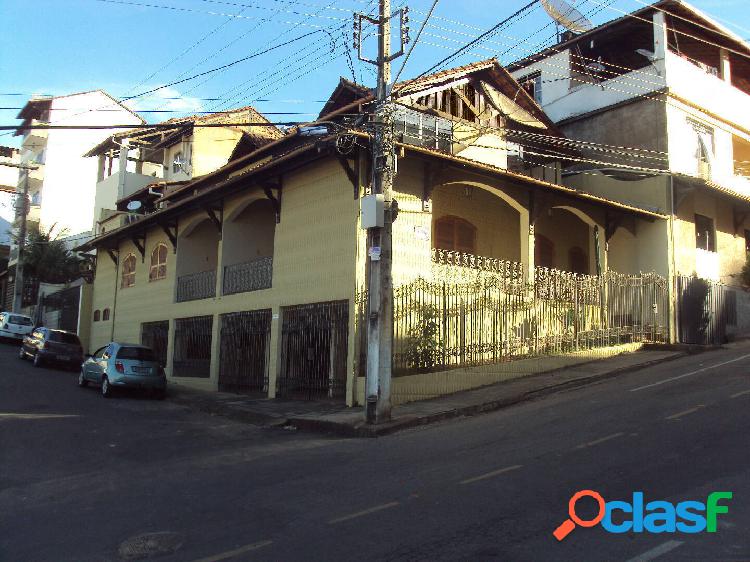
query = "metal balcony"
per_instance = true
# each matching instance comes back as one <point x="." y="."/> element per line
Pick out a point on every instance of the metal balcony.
<point x="253" y="275"/>
<point x="196" y="286"/>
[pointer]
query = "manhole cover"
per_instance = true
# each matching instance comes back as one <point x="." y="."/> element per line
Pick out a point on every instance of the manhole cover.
<point x="149" y="545"/>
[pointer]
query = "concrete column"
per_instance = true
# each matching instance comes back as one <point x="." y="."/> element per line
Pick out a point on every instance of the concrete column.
<point x="526" y="228"/>
<point x="274" y="351"/>
<point x="220" y="267"/>
<point x="726" y="68"/>
<point x="170" y="348"/>
<point x="215" y="352"/>
<point x="660" y="35"/>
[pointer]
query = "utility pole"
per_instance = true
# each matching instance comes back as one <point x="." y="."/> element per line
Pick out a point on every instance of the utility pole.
<point x="22" y="211"/>
<point x="379" y="238"/>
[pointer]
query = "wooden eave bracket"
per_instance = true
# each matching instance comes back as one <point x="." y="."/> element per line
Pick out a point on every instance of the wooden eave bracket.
<point x="113" y="256"/>
<point x="139" y="241"/>
<point x="538" y="204"/>
<point x="350" y="173"/>
<point x="469" y="104"/>
<point x="611" y="223"/>
<point x="216" y="214"/>
<point x="275" y="200"/>
<point x="171" y="231"/>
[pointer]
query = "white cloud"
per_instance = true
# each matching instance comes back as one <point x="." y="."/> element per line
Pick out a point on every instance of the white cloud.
<point x="168" y="99"/>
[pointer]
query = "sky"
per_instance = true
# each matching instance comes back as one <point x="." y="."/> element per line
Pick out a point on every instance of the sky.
<point x="128" y="47"/>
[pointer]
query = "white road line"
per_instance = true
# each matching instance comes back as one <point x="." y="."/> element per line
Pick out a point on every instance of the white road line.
<point x="491" y="474"/>
<point x="685" y="413"/>
<point x="656" y="552"/>
<point x="235" y="552"/>
<point x="365" y="512"/>
<point x="9" y="416"/>
<point x="602" y="440"/>
<point x="690" y="374"/>
<point x="738" y="394"/>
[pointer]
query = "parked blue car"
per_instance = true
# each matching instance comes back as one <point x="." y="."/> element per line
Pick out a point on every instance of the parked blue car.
<point x="124" y="365"/>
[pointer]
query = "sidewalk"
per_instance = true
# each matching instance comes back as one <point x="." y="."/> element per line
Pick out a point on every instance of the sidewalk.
<point x="338" y="419"/>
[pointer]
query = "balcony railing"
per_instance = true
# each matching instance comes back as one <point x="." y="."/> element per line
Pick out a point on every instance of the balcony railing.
<point x="196" y="286"/>
<point x="253" y="275"/>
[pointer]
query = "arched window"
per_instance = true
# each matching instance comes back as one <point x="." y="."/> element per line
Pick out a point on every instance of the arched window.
<point x="105" y="315"/>
<point x="544" y="252"/>
<point x="128" y="271"/>
<point x="455" y="235"/>
<point x="158" y="269"/>
<point x="97" y="315"/>
<point x="579" y="261"/>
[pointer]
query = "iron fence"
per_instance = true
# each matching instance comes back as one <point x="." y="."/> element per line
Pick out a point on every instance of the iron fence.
<point x="314" y="350"/>
<point x="244" y="346"/>
<point x="706" y="311"/>
<point x="63" y="305"/>
<point x="439" y="325"/>
<point x="196" y="286"/>
<point x="192" y="347"/>
<point x="156" y="336"/>
<point x="253" y="275"/>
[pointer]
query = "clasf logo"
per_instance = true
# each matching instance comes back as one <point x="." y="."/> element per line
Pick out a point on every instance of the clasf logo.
<point x="652" y="517"/>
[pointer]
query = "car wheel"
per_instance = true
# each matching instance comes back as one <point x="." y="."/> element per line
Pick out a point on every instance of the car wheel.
<point x="21" y="354"/>
<point x="106" y="389"/>
<point x="37" y="360"/>
<point x="82" y="380"/>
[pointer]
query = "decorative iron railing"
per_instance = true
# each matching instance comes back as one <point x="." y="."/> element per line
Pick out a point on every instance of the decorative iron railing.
<point x="196" y="286"/>
<point x="458" y="267"/>
<point x="253" y="275"/>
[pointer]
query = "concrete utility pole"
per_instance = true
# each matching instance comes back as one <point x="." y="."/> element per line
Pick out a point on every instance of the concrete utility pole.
<point x="379" y="241"/>
<point x="22" y="211"/>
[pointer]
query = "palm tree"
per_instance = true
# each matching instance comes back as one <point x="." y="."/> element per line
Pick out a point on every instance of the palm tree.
<point x="47" y="257"/>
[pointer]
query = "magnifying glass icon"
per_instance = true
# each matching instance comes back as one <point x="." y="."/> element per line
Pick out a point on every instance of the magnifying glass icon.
<point x="569" y="524"/>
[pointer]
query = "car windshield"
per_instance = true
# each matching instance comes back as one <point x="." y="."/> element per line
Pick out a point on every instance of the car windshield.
<point x="137" y="353"/>
<point x="64" y="337"/>
<point x="20" y="320"/>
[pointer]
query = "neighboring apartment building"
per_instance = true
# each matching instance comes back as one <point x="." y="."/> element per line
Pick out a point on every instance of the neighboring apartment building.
<point x="62" y="188"/>
<point x="250" y="278"/>
<point x="661" y="95"/>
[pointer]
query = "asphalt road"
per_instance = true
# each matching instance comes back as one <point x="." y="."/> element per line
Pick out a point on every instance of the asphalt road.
<point x="80" y="474"/>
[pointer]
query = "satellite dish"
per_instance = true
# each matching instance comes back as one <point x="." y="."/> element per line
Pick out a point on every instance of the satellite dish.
<point x="134" y="205"/>
<point x="567" y="16"/>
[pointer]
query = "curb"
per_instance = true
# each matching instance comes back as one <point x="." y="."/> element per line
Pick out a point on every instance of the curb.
<point x="364" y="430"/>
<point x="361" y="429"/>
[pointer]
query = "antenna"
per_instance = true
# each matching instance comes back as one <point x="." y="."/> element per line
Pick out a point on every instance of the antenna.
<point x="566" y="15"/>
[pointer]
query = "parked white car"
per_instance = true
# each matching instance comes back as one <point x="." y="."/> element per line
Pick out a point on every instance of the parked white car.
<point x="15" y="326"/>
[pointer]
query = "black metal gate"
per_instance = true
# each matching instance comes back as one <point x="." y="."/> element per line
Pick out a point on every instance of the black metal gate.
<point x="65" y="302"/>
<point x="192" y="347"/>
<point x="314" y="347"/>
<point x="244" y="351"/>
<point x="156" y="336"/>
<point x="704" y="310"/>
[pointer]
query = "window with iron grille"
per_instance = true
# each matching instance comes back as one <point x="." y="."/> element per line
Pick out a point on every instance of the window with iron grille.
<point x="192" y="347"/>
<point x="243" y="365"/>
<point x="158" y="269"/>
<point x="705" y="234"/>
<point x="128" y="271"/>
<point x="105" y="315"/>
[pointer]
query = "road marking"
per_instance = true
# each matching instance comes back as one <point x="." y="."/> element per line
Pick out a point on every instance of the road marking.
<point x="235" y="552"/>
<point x="9" y="416"/>
<point x="690" y="374"/>
<point x="602" y="440"/>
<point x="738" y="394"/>
<point x="656" y="552"/>
<point x="364" y="512"/>
<point x="491" y="474"/>
<point x="685" y="413"/>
